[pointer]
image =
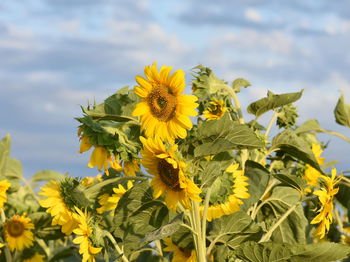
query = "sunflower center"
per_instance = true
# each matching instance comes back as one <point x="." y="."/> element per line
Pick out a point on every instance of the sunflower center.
<point x="15" y="228"/>
<point x="216" y="110"/>
<point x="169" y="175"/>
<point x="162" y="103"/>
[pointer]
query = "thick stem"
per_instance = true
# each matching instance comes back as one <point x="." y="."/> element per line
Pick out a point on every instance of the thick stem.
<point x="268" y="129"/>
<point x="115" y="244"/>
<point x="201" y="251"/>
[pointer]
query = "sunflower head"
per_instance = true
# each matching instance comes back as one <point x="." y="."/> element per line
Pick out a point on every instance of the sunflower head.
<point x="169" y="173"/>
<point x="164" y="110"/>
<point x="215" y="110"/>
<point x="4" y="186"/>
<point x="17" y="232"/>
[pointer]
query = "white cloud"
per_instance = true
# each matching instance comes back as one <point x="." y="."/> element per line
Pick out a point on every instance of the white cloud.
<point x="252" y="15"/>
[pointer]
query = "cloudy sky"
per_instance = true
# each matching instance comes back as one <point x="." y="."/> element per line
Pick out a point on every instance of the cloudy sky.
<point x="56" y="55"/>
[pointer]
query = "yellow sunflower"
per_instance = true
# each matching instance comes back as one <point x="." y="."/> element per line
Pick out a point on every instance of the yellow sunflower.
<point x="311" y="174"/>
<point x="164" y="110"/>
<point x="110" y="202"/>
<point x="169" y="174"/>
<point x="130" y="168"/>
<point x="56" y="206"/>
<point x="85" y="144"/>
<point x="90" y="180"/>
<point x="35" y="258"/>
<point x="4" y="185"/>
<point x="100" y="157"/>
<point x="325" y="196"/>
<point x="179" y="254"/>
<point x="17" y="233"/>
<point x="239" y="191"/>
<point x="84" y="231"/>
<point x="216" y="109"/>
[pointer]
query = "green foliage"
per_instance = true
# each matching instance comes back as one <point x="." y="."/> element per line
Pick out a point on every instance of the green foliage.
<point x="272" y="101"/>
<point x="221" y="135"/>
<point x="238" y="83"/>
<point x="273" y="252"/>
<point x="342" y="112"/>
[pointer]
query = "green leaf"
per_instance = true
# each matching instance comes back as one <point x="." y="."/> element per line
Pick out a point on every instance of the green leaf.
<point x="295" y="146"/>
<point x="10" y="168"/>
<point x="164" y="231"/>
<point x="234" y="229"/>
<point x="221" y="135"/>
<point x="65" y="253"/>
<point x="278" y="252"/>
<point x="259" y="177"/>
<point x="46" y="175"/>
<point x="138" y="214"/>
<point x="292" y="229"/>
<point x="238" y="83"/>
<point x="342" y="112"/>
<point x="272" y="101"/>
<point x="307" y="126"/>
<point x="291" y="180"/>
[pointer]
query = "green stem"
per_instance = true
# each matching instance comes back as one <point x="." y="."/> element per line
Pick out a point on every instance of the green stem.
<point x="30" y="189"/>
<point x="335" y="134"/>
<point x="115" y="244"/>
<point x="6" y="248"/>
<point x="238" y="107"/>
<point x="275" y="114"/>
<point x="201" y="253"/>
<point x="205" y="213"/>
<point x="267" y="236"/>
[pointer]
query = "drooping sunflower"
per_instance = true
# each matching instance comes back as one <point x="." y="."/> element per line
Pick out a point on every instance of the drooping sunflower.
<point x="57" y="208"/>
<point x="131" y="167"/>
<point x="179" y="254"/>
<point x="325" y="196"/>
<point x="4" y="186"/>
<point x="17" y="232"/>
<point x="36" y="257"/>
<point x="239" y="191"/>
<point x="216" y="109"/>
<point x="84" y="231"/>
<point x="110" y="202"/>
<point x="311" y="174"/>
<point x="100" y="156"/>
<point x="164" y="110"/>
<point x="169" y="174"/>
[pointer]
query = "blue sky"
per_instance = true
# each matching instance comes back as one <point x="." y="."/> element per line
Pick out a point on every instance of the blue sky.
<point x="58" y="54"/>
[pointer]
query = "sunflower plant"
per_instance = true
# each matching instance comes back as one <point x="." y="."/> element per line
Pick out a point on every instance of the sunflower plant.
<point x="184" y="177"/>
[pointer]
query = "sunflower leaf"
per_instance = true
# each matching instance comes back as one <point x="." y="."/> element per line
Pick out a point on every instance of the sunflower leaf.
<point x="277" y="252"/>
<point x="272" y="101"/>
<point x="238" y="83"/>
<point x="292" y="229"/>
<point x="216" y="136"/>
<point x="289" y="142"/>
<point x="342" y="112"/>
<point x="234" y="229"/>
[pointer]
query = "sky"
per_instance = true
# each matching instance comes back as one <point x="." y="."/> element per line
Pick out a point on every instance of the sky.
<point x="56" y="55"/>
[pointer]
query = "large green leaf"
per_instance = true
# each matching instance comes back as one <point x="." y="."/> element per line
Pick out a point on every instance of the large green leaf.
<point x="292" y="181"/>
<point x="295" y="146"/>
<point x="258" y="179"/>
<point x="234" y="229"/>
<point x="307" y="126"/>
<point x="292" y="229"/>
<point x="342" y="112"/>
<point x="272" y="101"/>
<point x="217" y="136"/>
<point x="279" y="252"/>
<point x="138" y="214"/>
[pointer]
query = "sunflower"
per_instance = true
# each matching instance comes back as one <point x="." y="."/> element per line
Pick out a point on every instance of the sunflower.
<point x="100" y="157"/>
<point x="311" y="174"/>
<point x="179" y="254"/>
<point x="56" y="206"/>
<point x="4" y="185"/>
<point x="110" y="202"/>
<point x="169" y="174"/>
<point x="131" y="167"/>
<point x="17" y="233"/>
<point x="239" y="191"/>
<point x="325" y="196"/>
<point x="90" y="180"/>
<point x="35" y="258"/>
<point x="216" y="109"/>
<point x="164" y="110"/>
<point x="84" y="231"/>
